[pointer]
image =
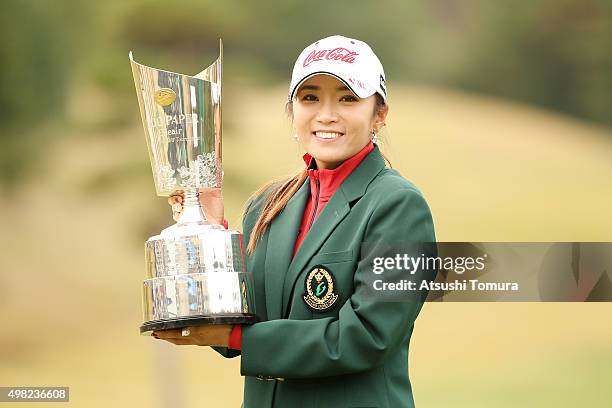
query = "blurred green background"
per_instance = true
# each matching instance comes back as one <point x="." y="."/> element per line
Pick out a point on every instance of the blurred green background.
<point x="499" y="111"/>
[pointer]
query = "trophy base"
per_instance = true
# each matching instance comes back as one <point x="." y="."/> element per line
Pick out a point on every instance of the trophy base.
<point x="149" y="327"/>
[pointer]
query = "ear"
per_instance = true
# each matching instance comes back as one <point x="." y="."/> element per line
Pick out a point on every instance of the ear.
<point x="289" y="110"/>
<point x="381" y="117"/>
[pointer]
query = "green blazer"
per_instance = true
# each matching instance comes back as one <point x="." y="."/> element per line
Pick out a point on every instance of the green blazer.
<point x="354" y="353"/>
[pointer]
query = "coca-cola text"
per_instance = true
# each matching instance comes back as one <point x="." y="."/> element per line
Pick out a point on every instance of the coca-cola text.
<point x="337" y="54"/>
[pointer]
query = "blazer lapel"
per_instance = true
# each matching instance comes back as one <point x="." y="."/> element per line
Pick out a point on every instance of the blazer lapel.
<point x="334" y="212"/>
<point x="281" y="241"/>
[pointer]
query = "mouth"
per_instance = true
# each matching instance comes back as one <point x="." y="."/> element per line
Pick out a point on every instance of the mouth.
<point x="327" y="135"/>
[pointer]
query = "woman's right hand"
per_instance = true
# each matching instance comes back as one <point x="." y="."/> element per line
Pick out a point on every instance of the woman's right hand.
<point x="211" y="200"/>
<point x="176" y="202"/>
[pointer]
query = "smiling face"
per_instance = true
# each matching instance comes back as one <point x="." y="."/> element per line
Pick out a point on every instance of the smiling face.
<point x="331" y="122"/>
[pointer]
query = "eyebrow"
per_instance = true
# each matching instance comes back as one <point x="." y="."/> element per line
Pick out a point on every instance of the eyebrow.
<point x="316" y="88"/>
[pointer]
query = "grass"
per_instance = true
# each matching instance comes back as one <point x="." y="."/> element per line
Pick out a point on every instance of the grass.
<point x="72" y="257"/>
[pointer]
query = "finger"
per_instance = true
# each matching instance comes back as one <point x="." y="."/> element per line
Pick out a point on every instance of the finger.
<point x="177" y="198"/>
<point x="168" y="334"/>
<point x="180" y="342"/>
<point x="199" y="331"/>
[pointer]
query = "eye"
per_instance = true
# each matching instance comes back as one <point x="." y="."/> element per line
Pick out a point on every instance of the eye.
<point x="309" y="97"/>
<point x="348" y="98"/>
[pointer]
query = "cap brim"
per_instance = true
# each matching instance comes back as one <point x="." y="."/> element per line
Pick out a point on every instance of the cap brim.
<point x="362" y="94"/>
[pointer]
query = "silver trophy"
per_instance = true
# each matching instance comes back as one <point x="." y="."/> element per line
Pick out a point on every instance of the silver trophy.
<point x="195" y="269"/>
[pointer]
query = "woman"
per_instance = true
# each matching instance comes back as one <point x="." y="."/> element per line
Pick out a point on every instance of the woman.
<point x="321" y="340"/>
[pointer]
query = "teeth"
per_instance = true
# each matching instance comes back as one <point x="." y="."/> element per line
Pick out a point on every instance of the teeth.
<point x="327" y="135"/>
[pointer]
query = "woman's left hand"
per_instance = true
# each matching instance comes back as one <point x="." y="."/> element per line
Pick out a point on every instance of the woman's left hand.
<point x="204" y="335"/>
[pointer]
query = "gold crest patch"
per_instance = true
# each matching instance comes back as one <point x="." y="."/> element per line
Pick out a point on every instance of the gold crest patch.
<point x="320" y="289"/>
<point x="164" y="96"/>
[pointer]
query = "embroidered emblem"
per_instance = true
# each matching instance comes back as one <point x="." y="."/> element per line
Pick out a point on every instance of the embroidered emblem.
<point x="320" y="289"/>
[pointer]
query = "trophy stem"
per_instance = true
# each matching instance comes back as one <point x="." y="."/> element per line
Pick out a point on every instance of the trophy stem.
<point x="190" y="198"/>
<point x="192" y="210"/>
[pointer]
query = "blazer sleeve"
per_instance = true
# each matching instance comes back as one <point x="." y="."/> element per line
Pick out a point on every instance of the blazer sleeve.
<point x="366" y="332"/>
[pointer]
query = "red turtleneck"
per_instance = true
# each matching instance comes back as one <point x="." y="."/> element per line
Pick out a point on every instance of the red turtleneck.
<point x="323" y="184"/>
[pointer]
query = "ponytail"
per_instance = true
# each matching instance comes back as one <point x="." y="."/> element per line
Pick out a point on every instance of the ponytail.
<point x="275" y="203"/>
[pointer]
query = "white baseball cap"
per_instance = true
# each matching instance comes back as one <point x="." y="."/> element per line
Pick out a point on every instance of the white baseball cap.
<point x="351" y="61"/>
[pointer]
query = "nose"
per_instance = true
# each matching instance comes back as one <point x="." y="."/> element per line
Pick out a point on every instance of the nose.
<point x="327" y="112"/>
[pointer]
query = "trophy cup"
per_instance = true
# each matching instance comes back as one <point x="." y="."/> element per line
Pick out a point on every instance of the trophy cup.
<point x="195" y="272"/>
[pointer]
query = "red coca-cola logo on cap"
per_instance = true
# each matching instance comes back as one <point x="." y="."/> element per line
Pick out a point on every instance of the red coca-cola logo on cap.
<point x="337" y="54"/>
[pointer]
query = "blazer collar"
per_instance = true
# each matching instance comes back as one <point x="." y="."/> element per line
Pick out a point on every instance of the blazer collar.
<point x="281" y="271"/>
<point x="357" y="182"/>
